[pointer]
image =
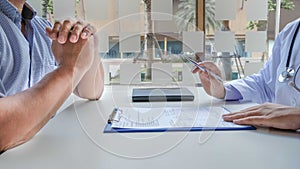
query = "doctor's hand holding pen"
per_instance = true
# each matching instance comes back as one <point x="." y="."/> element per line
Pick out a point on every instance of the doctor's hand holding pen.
<point x="210" y="76"/>
<point x="265" y="115"/>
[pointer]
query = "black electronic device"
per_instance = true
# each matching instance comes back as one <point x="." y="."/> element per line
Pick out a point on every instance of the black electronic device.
<point x="161" y="94"/>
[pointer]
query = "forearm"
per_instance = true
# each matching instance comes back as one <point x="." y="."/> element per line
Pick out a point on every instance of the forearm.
<point x="92" y="84"/>
<point x="267" y="115"/>
<point x="294" y="122"/>
<point x="23" y="114"/>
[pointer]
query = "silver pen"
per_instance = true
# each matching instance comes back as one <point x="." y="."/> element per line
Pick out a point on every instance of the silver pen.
<point x="205" y="70"/>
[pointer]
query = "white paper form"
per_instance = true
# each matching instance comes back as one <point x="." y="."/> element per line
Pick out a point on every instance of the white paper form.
<point x="171" y="117"/>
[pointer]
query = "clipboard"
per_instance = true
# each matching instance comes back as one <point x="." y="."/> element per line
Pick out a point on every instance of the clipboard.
<point x="151" y="126"/>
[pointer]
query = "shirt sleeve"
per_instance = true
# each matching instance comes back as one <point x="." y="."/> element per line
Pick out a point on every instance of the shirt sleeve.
<point x="258" y="87"/>
<point x="2" y="90"/>
<point x="263" y="86"/>
<point x="232" y="93"/>
<point x="2" y="61"/>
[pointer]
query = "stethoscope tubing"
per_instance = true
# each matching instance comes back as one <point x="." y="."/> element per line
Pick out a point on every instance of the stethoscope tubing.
<point x="289" y="71"/>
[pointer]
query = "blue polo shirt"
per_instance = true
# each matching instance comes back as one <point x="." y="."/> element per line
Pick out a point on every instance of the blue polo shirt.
<point x="24" y="60"/>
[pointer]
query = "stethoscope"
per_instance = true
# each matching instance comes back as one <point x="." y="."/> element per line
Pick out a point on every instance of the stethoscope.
<point x="289" y="71"/>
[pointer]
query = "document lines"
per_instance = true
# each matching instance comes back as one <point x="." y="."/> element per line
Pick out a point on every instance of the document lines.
<point x="169" y="119"/>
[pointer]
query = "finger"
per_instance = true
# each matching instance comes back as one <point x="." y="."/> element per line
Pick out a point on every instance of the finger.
<point x="252" y="108"/>
<point x="205" y="82"/>
<point x="240" y="115"/>
<point x="48" y="31"/>
<point x="195" y="69"/>
<point x="53" y="32"/>
<point x="253" y="120"/>
<point x="75" y="33"/>
<point x="215" y="78"/>
<point x="88" y="31"/>
<point x="64" y="31"/>
<point x="204" y="76"/>
<point x="249" y="109"/>
<point x="265" y="121"/>
<point x="208" y="65"/>
<point x="211" y="67"/>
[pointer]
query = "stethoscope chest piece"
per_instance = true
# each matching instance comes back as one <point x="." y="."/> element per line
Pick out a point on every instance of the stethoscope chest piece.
<point x="286" y="75"/>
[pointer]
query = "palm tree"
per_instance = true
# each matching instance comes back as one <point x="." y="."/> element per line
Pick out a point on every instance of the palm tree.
<point x="149" y="41"/>
<point x="210" y="22"/>
<point x="186" y="15"/>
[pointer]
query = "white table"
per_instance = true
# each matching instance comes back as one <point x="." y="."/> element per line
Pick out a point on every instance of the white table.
<point x="74" y="139"/>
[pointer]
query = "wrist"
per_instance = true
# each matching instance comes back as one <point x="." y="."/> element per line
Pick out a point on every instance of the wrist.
<point x="72" y="74"/>
<point x="217" y="90"/>
<point x="222" y="93"/>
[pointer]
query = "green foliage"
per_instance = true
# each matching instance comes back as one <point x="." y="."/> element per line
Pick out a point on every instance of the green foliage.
<point x="285" y="4"/>
<point x="47" y="7"/>
<point x="254" y="24"/>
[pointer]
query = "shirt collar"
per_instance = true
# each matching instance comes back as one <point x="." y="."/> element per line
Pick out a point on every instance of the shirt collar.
<point x="28" y="12"/>
<point x="12" y="13"/>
